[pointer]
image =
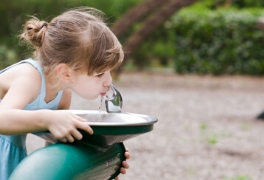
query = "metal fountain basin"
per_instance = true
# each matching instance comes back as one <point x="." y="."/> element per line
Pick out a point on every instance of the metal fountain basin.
<point x="109" y="128"/>
<point x="97" y="118"/>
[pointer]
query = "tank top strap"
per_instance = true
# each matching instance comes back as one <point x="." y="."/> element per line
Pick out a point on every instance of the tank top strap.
<point x="40" y="69"/>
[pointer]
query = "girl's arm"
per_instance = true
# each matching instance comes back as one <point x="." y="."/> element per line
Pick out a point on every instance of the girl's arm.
<point x="64" y="104"/>
<point x="22" y="85"/>
<point x="63" y="124"/>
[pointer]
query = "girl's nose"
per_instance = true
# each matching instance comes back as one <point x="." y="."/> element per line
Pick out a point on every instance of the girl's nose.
<point x="108" y="80"/>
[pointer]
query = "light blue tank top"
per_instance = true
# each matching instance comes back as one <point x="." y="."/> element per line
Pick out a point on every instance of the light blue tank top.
<point x="13" y="148"/>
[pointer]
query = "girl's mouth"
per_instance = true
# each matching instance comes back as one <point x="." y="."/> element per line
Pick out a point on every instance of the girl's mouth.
<point x="103" y="94"/>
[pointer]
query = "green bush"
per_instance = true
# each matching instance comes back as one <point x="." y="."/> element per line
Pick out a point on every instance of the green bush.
<point x="224" y="41"/>
<point x="214" y="4"/>
<point x="196" y="39"/>
<point x="157" y="50"/>
<point x="7" y="56"/>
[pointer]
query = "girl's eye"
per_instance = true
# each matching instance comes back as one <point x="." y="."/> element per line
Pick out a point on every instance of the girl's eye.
<point x="100" y="75"/>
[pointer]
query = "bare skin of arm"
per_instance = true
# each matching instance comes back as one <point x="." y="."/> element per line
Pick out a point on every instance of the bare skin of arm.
<point x="21" y="88"/>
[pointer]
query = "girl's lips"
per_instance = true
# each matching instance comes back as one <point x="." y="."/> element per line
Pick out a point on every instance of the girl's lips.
<point x="103" y="94"/>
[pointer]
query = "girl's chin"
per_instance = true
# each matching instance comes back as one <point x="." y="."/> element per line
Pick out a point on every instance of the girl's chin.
<point x="91" y="97"/>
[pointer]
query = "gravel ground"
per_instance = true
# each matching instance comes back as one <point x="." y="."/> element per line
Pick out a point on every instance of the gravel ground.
<point x="207" y="128"/>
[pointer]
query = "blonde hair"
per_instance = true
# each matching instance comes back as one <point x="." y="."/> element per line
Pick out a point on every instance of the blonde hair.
<point x="78" y="38"/>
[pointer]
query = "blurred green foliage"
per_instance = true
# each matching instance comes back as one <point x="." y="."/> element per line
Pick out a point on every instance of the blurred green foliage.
<point x="7" y="56"/>
<point x="214" y="4"/>
<point x="209" y="37"/>
<point x="212" y="36"/>
<point x="223" y="41"/>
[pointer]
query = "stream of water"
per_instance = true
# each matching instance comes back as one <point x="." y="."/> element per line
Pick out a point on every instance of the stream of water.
<point x="100" y="109"/>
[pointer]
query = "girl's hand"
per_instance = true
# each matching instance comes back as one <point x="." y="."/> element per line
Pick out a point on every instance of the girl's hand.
<point x="124" y="164"/>
<point x="64" y="126"/>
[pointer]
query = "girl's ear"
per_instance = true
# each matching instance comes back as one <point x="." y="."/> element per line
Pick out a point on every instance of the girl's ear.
<point x="64" y="72"/>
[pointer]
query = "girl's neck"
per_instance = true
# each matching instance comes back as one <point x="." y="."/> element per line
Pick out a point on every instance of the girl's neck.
<point x="53" y="86"/>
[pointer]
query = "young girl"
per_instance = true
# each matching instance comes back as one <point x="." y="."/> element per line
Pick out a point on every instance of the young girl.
<point x="75" y="51"/>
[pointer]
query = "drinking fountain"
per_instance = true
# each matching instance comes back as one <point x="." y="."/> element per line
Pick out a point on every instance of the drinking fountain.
<point x="94" y="157"/>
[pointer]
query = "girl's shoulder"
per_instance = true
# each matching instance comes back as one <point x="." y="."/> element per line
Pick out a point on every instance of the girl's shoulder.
<point x="21" y="71"/>
<point x="23" y="76"/>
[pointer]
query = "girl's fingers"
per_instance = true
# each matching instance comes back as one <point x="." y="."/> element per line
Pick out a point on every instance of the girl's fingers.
<point x="70" y="139"/>
<point x="88" y="129"/>
<point x="85" y="127"/>
<point x="125" y="164"/>
<point x="77" y="135"/>
<point x="63" y="140"/>
<point x="127" y="155"/>
<point x="122" y="170"/>
<point x="72" y="134"/>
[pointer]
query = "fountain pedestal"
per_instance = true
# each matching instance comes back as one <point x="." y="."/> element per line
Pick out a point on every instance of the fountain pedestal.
<point x="95" y="157"/>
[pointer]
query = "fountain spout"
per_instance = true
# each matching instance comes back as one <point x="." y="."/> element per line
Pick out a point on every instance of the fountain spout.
<point x="114" y="104"/>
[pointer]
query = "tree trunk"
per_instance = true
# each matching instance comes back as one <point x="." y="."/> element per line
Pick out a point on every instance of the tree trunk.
<point x="149" y="25"/>
<point x="135" y="14"/>
<point x="260" y="23"/>
<point x="152" y="23"/>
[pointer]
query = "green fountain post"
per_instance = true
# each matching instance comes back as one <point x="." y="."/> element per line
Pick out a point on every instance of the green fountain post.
<point x="76" y="161"/>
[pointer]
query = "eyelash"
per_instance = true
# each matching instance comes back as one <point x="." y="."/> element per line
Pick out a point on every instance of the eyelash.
<point x="100" y="75"/>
